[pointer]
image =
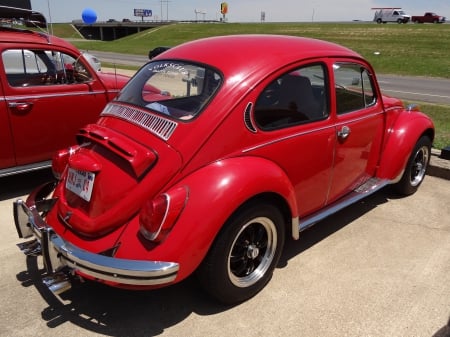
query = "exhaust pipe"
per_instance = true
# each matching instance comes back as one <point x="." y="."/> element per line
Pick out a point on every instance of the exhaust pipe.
<point x="57" y="283"/>
<point x="30" y="248"/>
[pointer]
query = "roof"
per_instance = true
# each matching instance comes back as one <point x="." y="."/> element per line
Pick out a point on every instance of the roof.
<point x="241" y="53"/>
<point x="23" y="36"/>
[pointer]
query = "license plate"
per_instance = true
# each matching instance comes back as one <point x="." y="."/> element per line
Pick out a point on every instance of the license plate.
<point x="81" y="183"/>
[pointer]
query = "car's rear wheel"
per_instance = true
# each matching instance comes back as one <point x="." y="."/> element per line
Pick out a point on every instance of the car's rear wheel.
<point x="416" y="167"/>
<point x="242" y="258"/>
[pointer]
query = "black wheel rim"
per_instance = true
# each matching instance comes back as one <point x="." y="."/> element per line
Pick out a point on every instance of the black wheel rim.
<point x="252" y="252"/>
<point x="419" y="165"/>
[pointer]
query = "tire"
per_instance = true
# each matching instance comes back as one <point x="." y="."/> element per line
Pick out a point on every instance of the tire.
<point x="416" y="167"/>
<point x="245" y="253"/>
<point x="378" y="21"/>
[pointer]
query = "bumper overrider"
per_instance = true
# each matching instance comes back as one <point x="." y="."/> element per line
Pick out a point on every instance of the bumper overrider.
<point x="60" y="255"/>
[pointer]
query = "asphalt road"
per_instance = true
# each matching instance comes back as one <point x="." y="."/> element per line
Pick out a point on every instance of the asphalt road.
<point x="380" y="267"/>
<point x="422" y="89"/>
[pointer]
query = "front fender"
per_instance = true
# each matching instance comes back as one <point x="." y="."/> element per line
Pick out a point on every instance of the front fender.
<point x="215" y="192"/>
<point x="402" y="137"/>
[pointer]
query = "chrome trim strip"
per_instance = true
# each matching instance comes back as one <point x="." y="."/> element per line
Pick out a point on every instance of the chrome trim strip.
<point x="62" y="94"/>
<point x="58" y="253"/>
<point x="357" y="119"/>
<point x="25" y="168"/>
<point x="294" y="135"/>
<point x="157" y="125"/>
<point x="395" y="107"/>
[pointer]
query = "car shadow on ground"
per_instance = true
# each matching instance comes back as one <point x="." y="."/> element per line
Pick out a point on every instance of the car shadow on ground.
<point x="332" y="224"/>
<point x="116" y="312"/>
<point x="22" y="184"/>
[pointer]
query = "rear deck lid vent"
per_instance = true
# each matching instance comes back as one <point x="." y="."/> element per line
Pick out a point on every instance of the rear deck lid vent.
<point x="157" y="125"/>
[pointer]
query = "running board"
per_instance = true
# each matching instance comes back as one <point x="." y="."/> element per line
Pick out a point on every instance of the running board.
<point x="25" y="168"/>
<point x="369" y="187"/>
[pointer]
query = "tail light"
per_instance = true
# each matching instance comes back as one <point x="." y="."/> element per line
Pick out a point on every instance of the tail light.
<point x="158" y="215"/>
<point x="61" y="159"/>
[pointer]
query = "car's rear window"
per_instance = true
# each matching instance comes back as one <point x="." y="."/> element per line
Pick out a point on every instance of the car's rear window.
<point x="173" y="88"/>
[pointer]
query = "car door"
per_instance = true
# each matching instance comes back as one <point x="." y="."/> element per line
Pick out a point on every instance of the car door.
<point x="7" y="158"/>
<point x="297" y="132"/>
<point x="49" y="96"/>
<point x="359" y="124"/>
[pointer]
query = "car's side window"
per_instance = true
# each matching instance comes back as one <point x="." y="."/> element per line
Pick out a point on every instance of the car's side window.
<point x="25" y="67"/>
<point x="353" y="87"/>
<point x="297" y="97"/>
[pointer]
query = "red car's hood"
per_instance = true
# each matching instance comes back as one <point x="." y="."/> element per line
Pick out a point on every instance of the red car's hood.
<point x="123" y="174"/>
<point x="113" y="81"/>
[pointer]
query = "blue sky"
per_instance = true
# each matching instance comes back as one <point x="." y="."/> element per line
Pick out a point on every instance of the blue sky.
<point x="238" y="10"/>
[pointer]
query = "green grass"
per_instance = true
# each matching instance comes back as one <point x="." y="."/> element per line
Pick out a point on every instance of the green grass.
<point x="416" y="50"/>
<point x="441" y="118"/>
<point x="65" y="30"/>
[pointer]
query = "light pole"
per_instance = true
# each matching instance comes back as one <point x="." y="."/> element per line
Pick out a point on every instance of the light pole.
<point x="50" y="17"/>
<point x="167" y="9"/>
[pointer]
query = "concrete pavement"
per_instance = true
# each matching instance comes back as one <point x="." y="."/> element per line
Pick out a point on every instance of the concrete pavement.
<point x="439" y="167"/>
<point x="380" y="267"/>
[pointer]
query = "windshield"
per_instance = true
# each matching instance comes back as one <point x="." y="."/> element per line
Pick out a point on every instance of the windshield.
<point x="172" y="88"/>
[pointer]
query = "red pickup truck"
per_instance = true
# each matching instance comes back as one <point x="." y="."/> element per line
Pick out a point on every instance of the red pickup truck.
<point x="428" y="17"/>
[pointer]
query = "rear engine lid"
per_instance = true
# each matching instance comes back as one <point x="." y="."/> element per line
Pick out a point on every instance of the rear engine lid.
<point x="109" y="177"/>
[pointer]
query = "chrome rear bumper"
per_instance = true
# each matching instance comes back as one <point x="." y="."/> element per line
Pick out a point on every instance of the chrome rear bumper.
<point x="59" y="254"/>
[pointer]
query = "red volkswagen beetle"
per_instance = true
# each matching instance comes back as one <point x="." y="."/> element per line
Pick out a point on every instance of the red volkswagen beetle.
<point x="215" y="153"/>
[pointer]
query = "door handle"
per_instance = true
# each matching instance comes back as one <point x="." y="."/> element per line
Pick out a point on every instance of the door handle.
<point x="344" y="133"/>
<point x="22" y="107"/>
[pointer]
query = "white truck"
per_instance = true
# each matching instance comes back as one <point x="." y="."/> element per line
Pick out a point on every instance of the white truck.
<point x="390" y="14"/>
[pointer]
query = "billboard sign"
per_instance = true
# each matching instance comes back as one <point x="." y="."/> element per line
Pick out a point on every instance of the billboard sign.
<point x="143" y="12"/>
<point x="224" y="8"/>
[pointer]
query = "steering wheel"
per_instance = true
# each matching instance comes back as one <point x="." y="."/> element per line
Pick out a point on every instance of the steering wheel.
<point x="81" y="76"/>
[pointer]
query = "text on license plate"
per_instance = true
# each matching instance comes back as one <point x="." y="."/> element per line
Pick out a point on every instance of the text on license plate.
<point x="81" y="183"/>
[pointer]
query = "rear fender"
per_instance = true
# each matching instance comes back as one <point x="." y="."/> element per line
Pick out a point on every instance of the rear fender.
<point x="215" y="192"/>
<point x="402" y="137"/>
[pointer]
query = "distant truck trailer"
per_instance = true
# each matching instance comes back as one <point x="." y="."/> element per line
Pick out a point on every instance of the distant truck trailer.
<point x="428" y="17"/>
<point x="390" y="14"/>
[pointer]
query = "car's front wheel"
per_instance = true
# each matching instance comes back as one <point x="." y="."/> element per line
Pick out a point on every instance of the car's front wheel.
<point x="242" y="258"/>
<point x="416" y="167"/>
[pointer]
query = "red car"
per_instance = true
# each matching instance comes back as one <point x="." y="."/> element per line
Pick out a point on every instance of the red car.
<point x="215" y="153"/>
<point x="48" y="91"/>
